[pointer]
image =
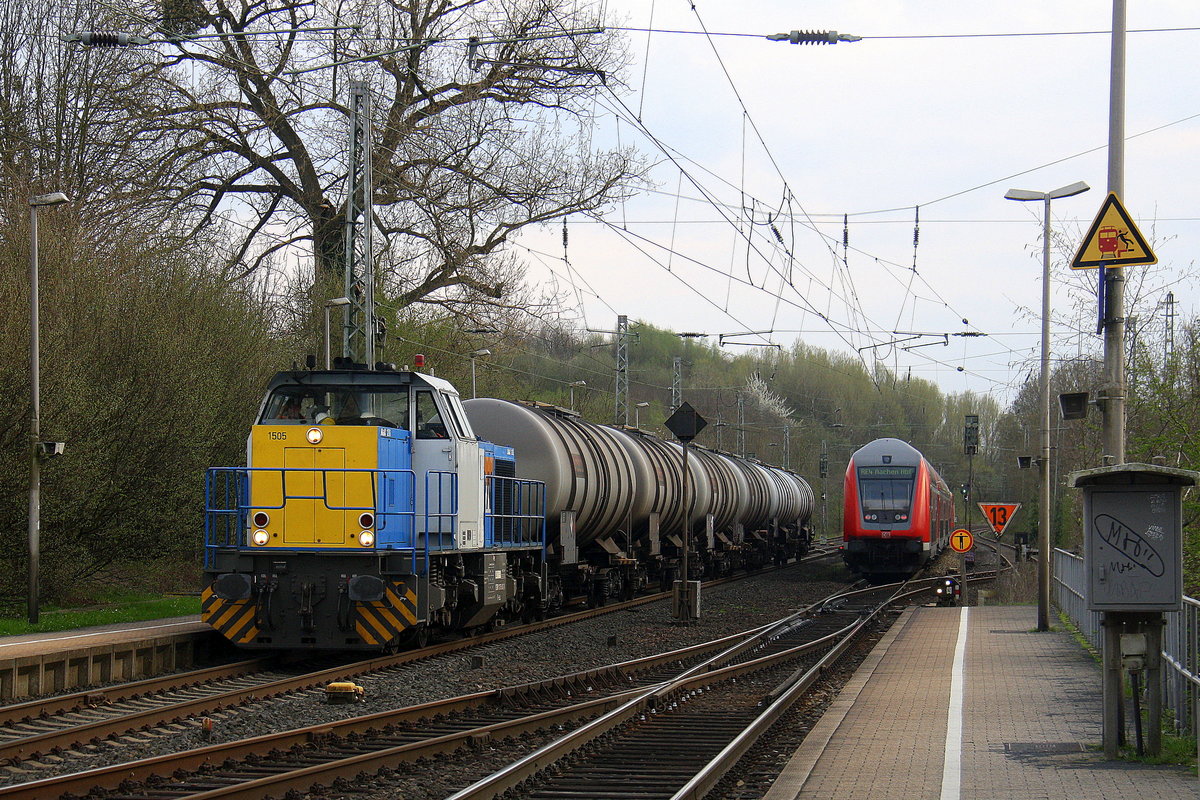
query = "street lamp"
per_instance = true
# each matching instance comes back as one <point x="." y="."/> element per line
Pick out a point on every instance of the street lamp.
<point x="637" y="417"/>
<point x="1023" y="195"/>
<point x="35" y="422"/>
<point x="572" y="386"/>
<point x="336" y="302"/>
<point x="483" y="352"/>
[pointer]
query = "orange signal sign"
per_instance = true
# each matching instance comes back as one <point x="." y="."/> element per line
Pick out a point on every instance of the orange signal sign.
<point x="1113" y="240"/>
<point x="961" y="540"/>
<point x="999" y="514"/>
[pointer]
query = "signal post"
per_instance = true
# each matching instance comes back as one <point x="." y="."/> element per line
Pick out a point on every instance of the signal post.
<point x="686" y="423"/>
<point x="962" y="541"/>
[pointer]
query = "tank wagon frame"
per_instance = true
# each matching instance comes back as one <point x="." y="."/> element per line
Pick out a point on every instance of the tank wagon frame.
<point x="376" y="506"/>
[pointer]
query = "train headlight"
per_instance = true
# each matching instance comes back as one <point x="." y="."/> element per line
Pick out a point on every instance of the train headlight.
<point x="366" y="520"/>
<point x="366" y="538"/>
<point x="314" y="435"/>
<point x="261" y="519"/>
<point x="260" y="537"/>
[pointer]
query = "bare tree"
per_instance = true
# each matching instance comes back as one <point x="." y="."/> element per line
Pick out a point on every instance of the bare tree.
<point x="70" y="120"/>
<point x="482" y="127"/>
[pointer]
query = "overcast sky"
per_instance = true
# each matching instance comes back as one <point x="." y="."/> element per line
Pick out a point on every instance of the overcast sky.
<point x="872" y="130"/>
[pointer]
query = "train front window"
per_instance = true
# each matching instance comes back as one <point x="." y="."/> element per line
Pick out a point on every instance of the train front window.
<point x="885" y="489"/>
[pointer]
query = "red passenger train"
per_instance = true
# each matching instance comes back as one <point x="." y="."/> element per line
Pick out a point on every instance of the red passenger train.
<point x="898" y="511"/>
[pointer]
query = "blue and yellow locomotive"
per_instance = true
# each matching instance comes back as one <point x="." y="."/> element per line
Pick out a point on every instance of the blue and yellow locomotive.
<point x="368" y="512"/>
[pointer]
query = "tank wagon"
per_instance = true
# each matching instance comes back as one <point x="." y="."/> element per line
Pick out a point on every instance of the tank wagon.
<point x="614" y="501"/>
<point x="898" y="511"/>
<point x="376" y="506"/>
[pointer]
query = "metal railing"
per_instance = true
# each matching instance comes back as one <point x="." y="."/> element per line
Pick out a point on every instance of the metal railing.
<point x="1181" y="639"/>
<point x="517" y="508"/>
<point x="227" y="500"/>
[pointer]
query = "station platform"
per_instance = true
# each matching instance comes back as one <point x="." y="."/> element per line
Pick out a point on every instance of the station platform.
<point x="42" y="663"/>
<point x="970" y="704"/>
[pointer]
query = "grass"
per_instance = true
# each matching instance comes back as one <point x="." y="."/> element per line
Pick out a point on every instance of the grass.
<point x="113" y="610"/>
<point x="1179" y="751"/>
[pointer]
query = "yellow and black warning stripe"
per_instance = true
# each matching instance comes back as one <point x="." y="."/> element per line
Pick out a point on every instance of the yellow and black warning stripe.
<point x="233" y="619"/>
<point x="378" y="623"/>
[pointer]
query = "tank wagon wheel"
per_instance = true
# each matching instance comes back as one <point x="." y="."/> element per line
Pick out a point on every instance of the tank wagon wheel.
<point x="613" y="583"/>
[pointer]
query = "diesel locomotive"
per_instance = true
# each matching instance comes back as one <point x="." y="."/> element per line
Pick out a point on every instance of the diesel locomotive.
<point x="376" y="506"/>
<point x="898" y="511"/>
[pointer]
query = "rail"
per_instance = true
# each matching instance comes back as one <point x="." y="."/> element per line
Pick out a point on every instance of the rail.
<point x="1181" y="639"/>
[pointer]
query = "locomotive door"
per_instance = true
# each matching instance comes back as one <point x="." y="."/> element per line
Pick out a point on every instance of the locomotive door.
<point x="314" y="497"/>
<point x="448" y="463"/>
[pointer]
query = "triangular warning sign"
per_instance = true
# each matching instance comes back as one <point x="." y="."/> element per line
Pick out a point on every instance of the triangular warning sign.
<point x="1113" y="240"/>
<point x="998" y="515"/>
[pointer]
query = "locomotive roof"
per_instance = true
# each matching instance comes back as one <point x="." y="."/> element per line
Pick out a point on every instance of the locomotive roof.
<point x="361" y="378"/>
<point x="901" y="452"/>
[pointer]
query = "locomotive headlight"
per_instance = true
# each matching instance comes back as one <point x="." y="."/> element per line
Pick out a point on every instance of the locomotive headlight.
<point x="314" y="435"/>
<point x="260" y="537"/>
<point x="261" y="519"/>
<point x="366" y="538"/>
<point x="366" y="520"/>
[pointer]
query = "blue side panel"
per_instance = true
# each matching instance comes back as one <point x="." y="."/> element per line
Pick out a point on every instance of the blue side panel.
<point x="396" y="518"/>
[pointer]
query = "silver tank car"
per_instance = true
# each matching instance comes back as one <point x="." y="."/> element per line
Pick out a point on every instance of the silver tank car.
<point x="614" y="499"/>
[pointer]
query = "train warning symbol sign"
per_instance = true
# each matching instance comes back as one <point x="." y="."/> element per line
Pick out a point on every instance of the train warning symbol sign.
<point x="999" y="515"/>
<point x="1113" y="240"/>
<point x="961" y="540"/>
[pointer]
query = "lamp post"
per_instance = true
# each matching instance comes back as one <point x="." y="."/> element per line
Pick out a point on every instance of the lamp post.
<point x="483" y="352"/>
<point x="336" y="302"/>
<point x="35" y="421"/>
<point x="572" y="386"/>
<point x="1022" y="195"/>
<point x="637" y="417"/>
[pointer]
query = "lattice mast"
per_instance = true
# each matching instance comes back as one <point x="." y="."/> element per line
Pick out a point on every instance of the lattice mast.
<point x="358" y="318"/>
<point x="621" y="410"/>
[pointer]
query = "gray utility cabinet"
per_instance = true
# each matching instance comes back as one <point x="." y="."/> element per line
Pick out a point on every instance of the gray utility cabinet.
<point x="1132" y="536"/>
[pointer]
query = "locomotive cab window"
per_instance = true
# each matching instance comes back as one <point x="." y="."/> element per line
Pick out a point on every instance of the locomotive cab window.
<point x="316" y="405"/>
<point x="429" y="423"/>
<point x="885" y="490"/>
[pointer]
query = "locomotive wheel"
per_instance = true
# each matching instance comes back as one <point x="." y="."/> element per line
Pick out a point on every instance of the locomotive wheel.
<point x="414" y="638"/>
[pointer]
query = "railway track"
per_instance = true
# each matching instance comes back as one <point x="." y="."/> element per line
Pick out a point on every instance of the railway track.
<point x="327" y="754"/>
<point x="83" y="722"/>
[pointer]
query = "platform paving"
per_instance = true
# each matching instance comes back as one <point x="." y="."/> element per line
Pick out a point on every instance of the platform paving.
<point x="1030" y="720"/>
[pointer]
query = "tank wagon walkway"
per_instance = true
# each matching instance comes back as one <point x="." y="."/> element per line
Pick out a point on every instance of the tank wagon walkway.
<point x="972" y="704"/>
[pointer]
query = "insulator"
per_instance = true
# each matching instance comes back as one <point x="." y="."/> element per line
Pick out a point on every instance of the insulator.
<point x="812" y="37"/>
<point x="109" y="39"/>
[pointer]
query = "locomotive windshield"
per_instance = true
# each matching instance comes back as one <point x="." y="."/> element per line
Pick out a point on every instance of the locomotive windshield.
<point x="886" y="488"/>
<point x="310" y="405"/>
